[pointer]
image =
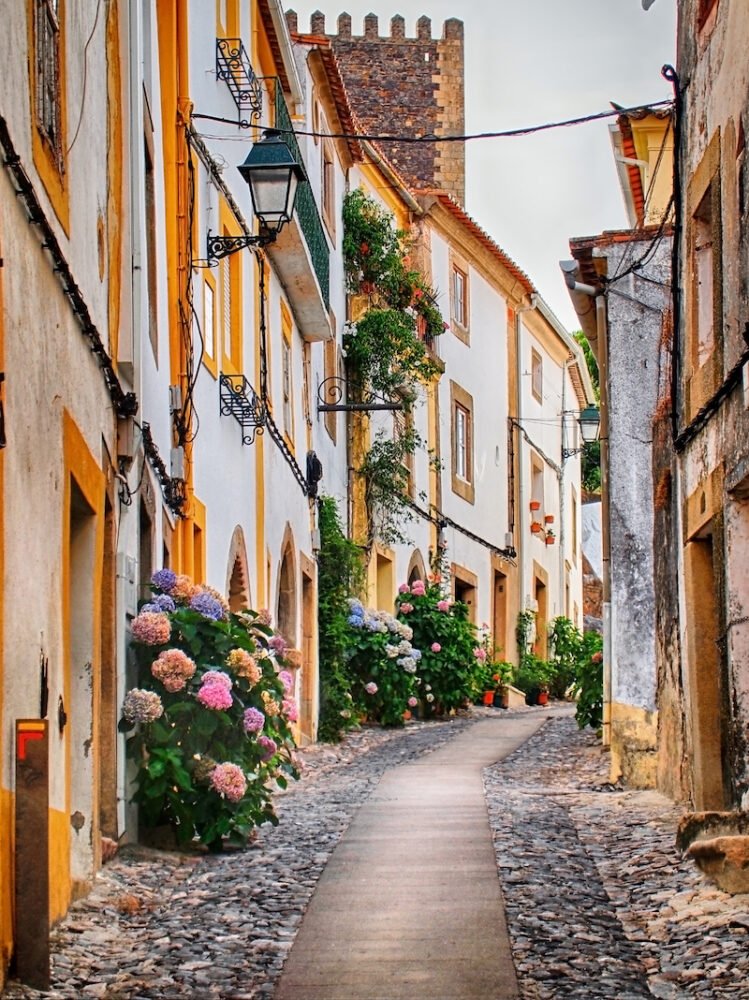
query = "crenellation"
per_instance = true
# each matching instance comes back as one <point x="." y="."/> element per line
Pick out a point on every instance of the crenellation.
<point x="292" y="21"/>
<point x="424" y="28"/>
<point x="408" y="84"/>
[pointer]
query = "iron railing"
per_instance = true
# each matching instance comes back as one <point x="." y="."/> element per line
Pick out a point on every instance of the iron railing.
<point x="306" y="208"/>
<point x="233" y="67"/>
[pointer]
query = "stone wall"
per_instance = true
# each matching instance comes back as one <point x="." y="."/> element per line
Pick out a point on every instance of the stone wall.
<point x="406" y="86"/>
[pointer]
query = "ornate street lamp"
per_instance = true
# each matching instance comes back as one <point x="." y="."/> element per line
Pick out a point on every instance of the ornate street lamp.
<point x="273" y="177"/>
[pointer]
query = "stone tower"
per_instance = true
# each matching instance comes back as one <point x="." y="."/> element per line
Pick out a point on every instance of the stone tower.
<point x="406" y="86"/>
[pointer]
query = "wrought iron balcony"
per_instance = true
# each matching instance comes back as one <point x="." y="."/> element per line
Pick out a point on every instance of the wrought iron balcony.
<point x="233" y="67"/>
<point x="306" y="209"/>
<point x="239" y="400"/>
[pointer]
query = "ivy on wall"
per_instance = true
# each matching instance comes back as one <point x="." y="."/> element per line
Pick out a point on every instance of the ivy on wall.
<point x="388" y="352"/>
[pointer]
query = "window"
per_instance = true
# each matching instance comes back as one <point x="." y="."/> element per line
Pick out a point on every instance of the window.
<point x="462" y="442"/>
<point x="537" y="486"/>
<point x="462" y="424"/>
<point x="704" y="280"/>
<point x="537" y="376"/>
<point x="573" y="525"/>
<point x="227" y="18"/>
<point x="46" y="69"/>
<point x="328" y="187"/>
<point x="459" y="297"/>
<point x="229" y="325"/>
<point x="286" y="374"/>
<point x="329" y="390"/>
<point x="704" y="288"/>
<point x="48" y="76"/>
<point x="150" y="207"/>
<point x="209" y="325"/>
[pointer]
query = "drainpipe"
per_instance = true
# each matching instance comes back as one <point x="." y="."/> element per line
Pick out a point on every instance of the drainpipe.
<point x="562" y="610"/>
<point x="608" y="650"/>
<point x="521" y="521"/>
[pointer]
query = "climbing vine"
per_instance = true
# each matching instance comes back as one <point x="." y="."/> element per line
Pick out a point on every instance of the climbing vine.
<point x="387" y="352"/>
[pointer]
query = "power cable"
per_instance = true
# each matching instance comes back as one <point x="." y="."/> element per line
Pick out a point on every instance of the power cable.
<point x="431" y="137"/>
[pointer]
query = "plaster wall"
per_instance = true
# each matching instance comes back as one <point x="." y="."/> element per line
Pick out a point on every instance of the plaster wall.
<point x="635" y="332"/>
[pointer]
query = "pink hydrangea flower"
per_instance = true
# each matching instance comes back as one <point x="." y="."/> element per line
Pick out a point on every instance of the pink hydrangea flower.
<point x="435" y="647"/>
<point x="418" y="589"/>
<point x="174" y="669"/>
<point x="268" y="745"/>
<point x="151" y="628"/>
<point x="286" y="679"/>
<point x="479" y="653"/>
<point x="406" y="607"/>
<point x="215" y="696"/>
<point x="216" y="677"/>
<point x="443" y="605"/>
<point x="253" y="720"/>
<point x="371" y="688"/>
<point x="290" y="710"/>
<point x="229" y="780"/>
<point x="277" y="643"/>
<point x="404" y="589"/>
<point x="413" y="702"/>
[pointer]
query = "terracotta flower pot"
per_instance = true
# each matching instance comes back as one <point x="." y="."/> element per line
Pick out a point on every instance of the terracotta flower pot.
<point x="549" y="518"/>
<point x="543" y="697"/>
<point x="488" y="697"/>
<point x="550" y="539"/>
<point x="535" y="505"/>
<point x="536" y="527"/>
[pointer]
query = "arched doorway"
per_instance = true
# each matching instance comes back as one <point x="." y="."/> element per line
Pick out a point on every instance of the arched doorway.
<point x="237" y="576"/>
<point x="286" y="610"/>
<point x="416" y="568"/>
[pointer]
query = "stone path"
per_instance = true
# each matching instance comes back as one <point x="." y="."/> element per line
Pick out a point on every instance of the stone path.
<point x="409" y="904"/>
<point x="599" y="903"/>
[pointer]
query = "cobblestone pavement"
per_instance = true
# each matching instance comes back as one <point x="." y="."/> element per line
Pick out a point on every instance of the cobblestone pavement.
<point x="598" y="901"/>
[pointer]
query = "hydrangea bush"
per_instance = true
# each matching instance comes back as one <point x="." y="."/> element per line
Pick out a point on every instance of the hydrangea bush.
<point x="211" y="717"/>
<point x="382" y="664"/>
<point x="453" y="659"/>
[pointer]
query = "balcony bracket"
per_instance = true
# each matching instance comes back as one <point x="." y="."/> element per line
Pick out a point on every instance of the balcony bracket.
<point x="239" y="400"/>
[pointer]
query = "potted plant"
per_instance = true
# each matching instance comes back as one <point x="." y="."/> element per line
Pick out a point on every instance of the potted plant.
<point x="535" y="505"/>
<point x="550" y="537"/>
<point x="549" y="518"/>
<point x="536" y="527"/>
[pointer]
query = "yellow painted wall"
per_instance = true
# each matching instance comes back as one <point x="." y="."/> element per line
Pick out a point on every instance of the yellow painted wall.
<point x="633" y="745"/>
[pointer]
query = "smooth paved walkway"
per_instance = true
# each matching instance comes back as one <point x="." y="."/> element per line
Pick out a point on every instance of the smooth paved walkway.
<point x="409" y="904"/>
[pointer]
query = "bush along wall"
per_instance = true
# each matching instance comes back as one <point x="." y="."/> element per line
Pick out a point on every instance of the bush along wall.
<point x="452" y="665"/>
<point x="340" y="572"/>
<point x="211" y="717"/>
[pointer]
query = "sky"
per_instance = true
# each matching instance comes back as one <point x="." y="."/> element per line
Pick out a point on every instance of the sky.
<point x="529" y="62"/>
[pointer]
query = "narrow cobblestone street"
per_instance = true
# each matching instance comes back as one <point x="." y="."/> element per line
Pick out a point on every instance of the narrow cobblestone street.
<point x="598" y="902"/>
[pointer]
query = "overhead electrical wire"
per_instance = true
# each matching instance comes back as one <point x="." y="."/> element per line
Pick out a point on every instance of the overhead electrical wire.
<point x="430" y="137"/>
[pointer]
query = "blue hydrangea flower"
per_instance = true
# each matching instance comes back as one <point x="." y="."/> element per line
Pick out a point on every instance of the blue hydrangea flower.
<point x="152" y="607"/>
<point x="355" y="621"/>
<point x="356" y="607"/>
<point x="207" y="606"/>
<point x="164" y="579"/>
<point x="164" y="603"/>
<point x="416" y="654"/>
